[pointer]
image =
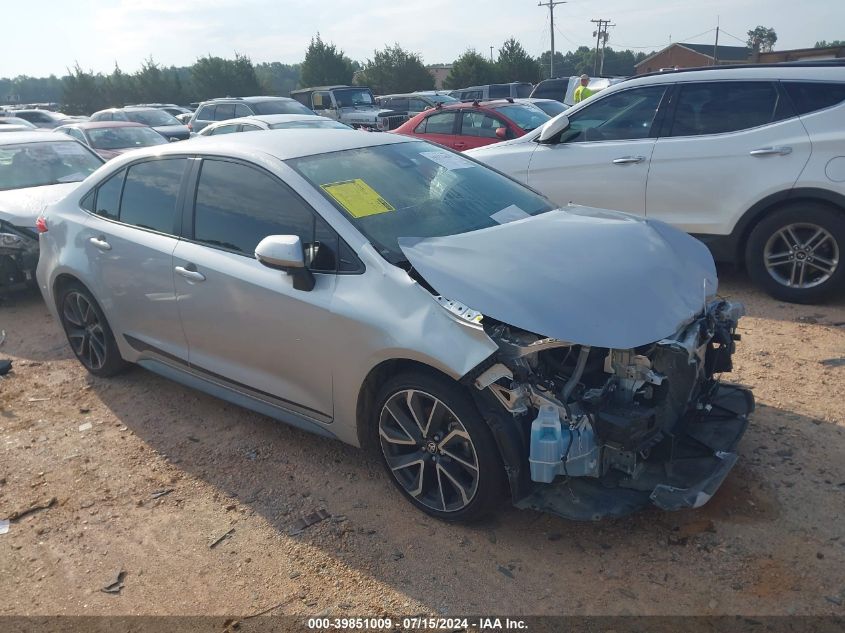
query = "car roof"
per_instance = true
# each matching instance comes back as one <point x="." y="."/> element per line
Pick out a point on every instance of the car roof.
<point x="93" y="125"/>
<point x="245" y="99"/>
<point x="324" y="88"/>
<point x="14" y="138"/>
<point x="490" y="104"/>
<point x="271" y="118"/>
<point x="806" y="71"/>
<point x="27" y="110"/>
<point x="281" y="144"/>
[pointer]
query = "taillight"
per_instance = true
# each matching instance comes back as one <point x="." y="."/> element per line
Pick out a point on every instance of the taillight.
<point x="190" y="127"/>
<point x="41" y="224"/>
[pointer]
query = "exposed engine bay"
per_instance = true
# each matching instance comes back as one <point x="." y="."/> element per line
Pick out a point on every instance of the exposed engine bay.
<point x="18" y="257"/>
<point x="650" y="422"/>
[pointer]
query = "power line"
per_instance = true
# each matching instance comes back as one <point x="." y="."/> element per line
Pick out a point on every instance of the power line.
<point x="735" y="37"/>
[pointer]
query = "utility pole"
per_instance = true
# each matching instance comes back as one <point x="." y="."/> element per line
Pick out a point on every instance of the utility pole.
<point x="601" y="40"/>
<point x="551" y="4"/>
<point x="716" y="45"/>
<point x="491" y="53"/>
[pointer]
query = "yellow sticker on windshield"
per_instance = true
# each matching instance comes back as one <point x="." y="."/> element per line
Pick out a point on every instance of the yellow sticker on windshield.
<point x="358" y="198"/>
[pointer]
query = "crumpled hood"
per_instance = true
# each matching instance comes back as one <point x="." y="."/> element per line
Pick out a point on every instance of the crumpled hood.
<point x="582" y="275"/>
<point x="21" y="207"/>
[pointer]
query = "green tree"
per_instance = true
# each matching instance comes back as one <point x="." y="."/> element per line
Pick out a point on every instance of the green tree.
<point x="395" y="70"/>
<point x="218" y="77"/>
<point x="826" y="44"/>
<point x="470" y="69"/>
<point x="118" y="88"/>
<point x="515" y="64"/>
<point x="325" y="65"/>
<point x="276" y="78"/>
<point x="762" y="38"/>
<point x="81" y="93"/>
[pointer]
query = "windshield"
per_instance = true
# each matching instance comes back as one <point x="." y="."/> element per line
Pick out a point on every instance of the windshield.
<point x="415" y="189"/>
<point x="122" y="137"/>
<point x="317" y="122"/>
<point x="552" y="108"/>
<point x="44" y="163"/>
<point x="13" y="120"/>
<point x="151" y="117"/>
<point x="524" y="90"/>
<point x="350" y="97"/>
<point x="278" y="106"/>
<point x="525" y="116"/>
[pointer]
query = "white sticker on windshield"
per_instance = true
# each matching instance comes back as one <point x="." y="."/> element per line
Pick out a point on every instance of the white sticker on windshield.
<point x="511" y="213"/>
<point x="448" y="160"/>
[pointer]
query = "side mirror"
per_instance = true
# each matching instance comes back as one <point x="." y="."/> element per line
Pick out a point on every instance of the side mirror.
<point x="553" y="128"/>
<point x="502" y="133"/>
<point x="284" y="252"/>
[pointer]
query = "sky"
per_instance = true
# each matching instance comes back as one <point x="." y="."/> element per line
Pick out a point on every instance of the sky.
<point x="99" y="33"/>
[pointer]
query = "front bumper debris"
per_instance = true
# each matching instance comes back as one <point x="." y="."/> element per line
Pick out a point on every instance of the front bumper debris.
<point x="700" y="455"/>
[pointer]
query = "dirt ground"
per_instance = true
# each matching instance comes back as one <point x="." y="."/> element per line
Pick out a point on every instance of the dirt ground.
<point x="772" y="541"/>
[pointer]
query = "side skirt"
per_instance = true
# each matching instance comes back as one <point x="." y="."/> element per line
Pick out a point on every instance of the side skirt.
<point x="219" y="389"/>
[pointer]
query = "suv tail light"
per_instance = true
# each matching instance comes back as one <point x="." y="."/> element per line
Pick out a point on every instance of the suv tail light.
<point x="41" y="224"/>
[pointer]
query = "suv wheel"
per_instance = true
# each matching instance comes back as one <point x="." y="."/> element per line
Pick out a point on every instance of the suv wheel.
<point x="795" y="253"/>
<point x="436" y="447"/>
<point x="88" y="332"/>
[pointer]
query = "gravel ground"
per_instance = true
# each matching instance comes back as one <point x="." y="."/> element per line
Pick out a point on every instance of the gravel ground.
<point x="146" y="476"/>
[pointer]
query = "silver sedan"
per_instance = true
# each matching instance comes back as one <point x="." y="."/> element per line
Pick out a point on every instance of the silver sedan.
<point x="392" y="294"/>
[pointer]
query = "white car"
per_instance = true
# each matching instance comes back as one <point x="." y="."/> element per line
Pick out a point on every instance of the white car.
<point x="271" y="122"/>
<point x="750" y="160"/>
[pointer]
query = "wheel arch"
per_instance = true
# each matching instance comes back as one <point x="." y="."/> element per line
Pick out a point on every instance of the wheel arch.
<point x="758" y="211"/>
<point x="376" y="377"/>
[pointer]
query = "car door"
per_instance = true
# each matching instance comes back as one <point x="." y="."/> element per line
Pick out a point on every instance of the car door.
<point x="245" y="322"/>
<point x="129" y="241"/>
<point x="728" y="145"/>
<point x="602" y="160"/>
<point x="439" y="127"/>
<point x="478" y="129"/>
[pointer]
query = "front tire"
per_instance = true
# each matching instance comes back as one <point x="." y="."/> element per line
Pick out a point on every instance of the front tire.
<point x="88" y="331"/>
<point x="436" y="447"/>
<point x="795" y="253"/>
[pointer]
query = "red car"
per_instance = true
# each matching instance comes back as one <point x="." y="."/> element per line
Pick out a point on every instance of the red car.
<point x="466" y="125"/>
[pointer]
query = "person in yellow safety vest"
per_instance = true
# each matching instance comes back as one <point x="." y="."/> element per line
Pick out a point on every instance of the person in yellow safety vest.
<point x="582" y="92"/>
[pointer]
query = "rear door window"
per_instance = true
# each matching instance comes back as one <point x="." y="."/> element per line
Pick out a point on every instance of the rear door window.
<point x="480" y="124"/>
<point x="150" y="194"/>
<point x="440" y="123"/>
<point x="206" y="113"/>
<point x="499" y="91"/>
<point x="242" y="110"/>
<point x="811" y="96"/>
<point x="224" y="112"/>
<point x="717" y="107"/>
<point x="107" y="201"/>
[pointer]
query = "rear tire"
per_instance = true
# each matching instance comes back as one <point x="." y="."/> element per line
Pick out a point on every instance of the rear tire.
<point x="436" y="447"/>
<point x="88" y="331"/>
<point x="795" y="253"/>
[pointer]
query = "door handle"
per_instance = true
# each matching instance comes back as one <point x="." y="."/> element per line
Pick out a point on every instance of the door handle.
<point x="100" y="242"/>
<point x="190" y="272"/>
<point x="771" y="151"/>
<point x="627" y="160"/>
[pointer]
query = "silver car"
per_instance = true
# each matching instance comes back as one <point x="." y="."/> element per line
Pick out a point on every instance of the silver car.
<point x="392" y="294"/>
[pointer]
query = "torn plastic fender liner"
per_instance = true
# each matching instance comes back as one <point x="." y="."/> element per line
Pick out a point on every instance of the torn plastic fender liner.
<point x="507" y="431"/>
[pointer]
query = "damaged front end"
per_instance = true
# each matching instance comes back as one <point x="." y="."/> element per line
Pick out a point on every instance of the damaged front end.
<point x="18" y="257"/>
<point x="609" y="431"/>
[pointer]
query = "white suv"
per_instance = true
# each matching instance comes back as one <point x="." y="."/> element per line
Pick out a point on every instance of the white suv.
<point x="751" y="160"/>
